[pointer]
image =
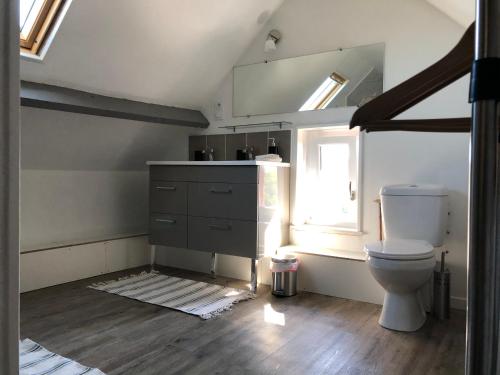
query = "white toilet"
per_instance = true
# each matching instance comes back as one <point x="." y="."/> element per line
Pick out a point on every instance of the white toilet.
<point x="414" y="221"/>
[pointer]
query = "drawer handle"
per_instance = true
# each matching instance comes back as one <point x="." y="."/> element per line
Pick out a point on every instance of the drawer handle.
<point x="221" y="191"/>
<point x="169" y="188"/>
<point x="167" y="221"/>
<point x="219" y="227"/>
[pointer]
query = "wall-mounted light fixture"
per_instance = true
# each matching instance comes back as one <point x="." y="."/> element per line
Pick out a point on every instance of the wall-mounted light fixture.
<point x="272" y="39"/>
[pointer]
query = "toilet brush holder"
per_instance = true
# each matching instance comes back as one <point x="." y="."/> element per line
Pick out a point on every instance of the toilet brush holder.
<point x="441" y="306"/>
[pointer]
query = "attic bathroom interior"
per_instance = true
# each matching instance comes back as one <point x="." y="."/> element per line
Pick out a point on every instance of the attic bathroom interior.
<point x="249" y="187"/>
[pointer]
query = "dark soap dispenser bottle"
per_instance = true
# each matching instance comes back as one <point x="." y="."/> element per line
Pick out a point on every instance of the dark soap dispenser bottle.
<point x="272" y="147"/>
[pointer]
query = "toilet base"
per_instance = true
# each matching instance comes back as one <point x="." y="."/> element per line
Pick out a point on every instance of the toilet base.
<point x="402" y="312"/>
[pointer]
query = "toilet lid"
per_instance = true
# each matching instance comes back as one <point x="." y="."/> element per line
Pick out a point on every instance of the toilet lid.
<point x="400" y="249"/>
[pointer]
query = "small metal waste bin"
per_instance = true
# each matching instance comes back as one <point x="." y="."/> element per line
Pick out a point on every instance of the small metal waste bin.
<point x="284" y="274"/>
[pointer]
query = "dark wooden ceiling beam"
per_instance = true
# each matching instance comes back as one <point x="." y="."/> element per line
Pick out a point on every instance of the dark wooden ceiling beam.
<point x="68" y="100"/>
<point x="448" y="125"/>
<point x="454" y="65"/>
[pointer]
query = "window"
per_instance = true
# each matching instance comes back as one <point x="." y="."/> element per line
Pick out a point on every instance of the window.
<point x="328" y="178"/>
<point x="325" y="93"/>
<point x="36" y="18"/>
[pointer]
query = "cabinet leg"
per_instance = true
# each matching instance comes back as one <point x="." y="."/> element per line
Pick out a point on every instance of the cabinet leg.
<point x="253" y="276"/>
<point x="212" y="265"/>
<point x="153" y="258"/>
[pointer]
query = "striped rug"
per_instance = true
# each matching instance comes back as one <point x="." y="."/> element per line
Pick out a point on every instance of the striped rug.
<point x="34" y="359"/>
<point x="192" y="297"/>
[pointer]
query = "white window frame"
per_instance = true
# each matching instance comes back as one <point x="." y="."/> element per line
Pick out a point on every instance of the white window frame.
<point x="299" y="221"/>
<point x="38" y="54"/>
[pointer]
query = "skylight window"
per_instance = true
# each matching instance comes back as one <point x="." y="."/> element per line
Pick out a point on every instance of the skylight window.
<point x="36" y="18"/>
<point x="325" y="93"/>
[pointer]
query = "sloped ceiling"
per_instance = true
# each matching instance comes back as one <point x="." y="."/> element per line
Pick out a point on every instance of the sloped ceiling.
<point x="172" y="52"/>
<point x="461" y="11"/>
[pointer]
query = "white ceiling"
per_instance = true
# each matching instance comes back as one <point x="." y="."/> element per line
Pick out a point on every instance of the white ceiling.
<point x="173" y="52"/>
<point x="462" y="11"/>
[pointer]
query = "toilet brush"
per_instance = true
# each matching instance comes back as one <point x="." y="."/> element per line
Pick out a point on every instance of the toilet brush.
<point x="441" y="308"/>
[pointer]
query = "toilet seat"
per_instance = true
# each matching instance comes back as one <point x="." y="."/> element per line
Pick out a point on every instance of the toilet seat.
<point x="400" y="249"/>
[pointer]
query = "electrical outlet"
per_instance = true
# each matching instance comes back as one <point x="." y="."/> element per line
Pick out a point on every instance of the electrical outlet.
<point x="219" y="111"/>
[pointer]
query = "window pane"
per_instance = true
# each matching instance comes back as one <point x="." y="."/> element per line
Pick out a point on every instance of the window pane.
<point x="333" y="205"/>
<point x="329" y="188"/>
<point x="29" y="11"/>
<point x="327" y="178"/>
<point x="24" y="10"/>
<point x="325" y="93"/>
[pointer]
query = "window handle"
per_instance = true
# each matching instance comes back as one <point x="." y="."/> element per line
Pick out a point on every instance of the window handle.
<point x="352" y="193"/>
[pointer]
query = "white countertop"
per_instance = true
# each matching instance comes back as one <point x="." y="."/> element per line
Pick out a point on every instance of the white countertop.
<point x="227" y="162"/>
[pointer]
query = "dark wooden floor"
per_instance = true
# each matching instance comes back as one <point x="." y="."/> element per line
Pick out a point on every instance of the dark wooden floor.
<point x="321" y="335"/>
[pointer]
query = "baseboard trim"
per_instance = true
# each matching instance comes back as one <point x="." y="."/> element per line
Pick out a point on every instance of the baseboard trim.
<point x="41" y="269"/>
<point x="60" y="245"/>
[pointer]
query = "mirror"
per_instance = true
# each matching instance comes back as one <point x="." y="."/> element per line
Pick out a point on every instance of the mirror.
<point x="342" y="78"/>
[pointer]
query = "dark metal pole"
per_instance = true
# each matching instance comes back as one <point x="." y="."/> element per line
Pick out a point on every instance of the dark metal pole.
<point x="483" y="305"/>
<point x="9" y="186"/>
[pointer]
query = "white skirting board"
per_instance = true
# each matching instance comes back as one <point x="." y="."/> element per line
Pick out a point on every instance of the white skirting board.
<point x="331" y="276"/>
<point x="45" y="268"/>
<point x="343" y="278"/>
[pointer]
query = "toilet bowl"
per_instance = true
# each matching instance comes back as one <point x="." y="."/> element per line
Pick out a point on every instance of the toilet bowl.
<point x="402" y="267"/>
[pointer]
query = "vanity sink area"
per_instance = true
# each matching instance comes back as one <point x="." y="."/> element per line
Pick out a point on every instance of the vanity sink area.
<point x="238" y="208"/>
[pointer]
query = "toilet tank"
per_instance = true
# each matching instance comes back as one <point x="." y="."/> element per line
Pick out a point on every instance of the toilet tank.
<point x="417" y="212"/>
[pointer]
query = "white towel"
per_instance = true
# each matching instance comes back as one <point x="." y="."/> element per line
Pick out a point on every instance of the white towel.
<point x="269" y="157"/>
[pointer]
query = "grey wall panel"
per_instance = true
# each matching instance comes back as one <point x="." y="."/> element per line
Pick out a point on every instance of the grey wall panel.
<point x="218" y="144"/>
<point x="234" y="142"/>
<point x="54" y="140"/>
<point x="197" y="143"/>
<point x="64" y="206"/>
<point x="227" y="144"/>
<point x="86" y="176"/>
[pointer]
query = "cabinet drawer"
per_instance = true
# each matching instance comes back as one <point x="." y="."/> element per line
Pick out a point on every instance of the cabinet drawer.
<point x="168" y="197"/>
<point x="205" y="173"/>
<point x="222" y="200"/>
<point x="233" y="237"/>
<point x="168" y="230"/>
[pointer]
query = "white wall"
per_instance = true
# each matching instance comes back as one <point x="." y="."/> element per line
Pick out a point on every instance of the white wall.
<point x="397" y="157"/>
<point x="166" y="52"/>
<point x="285" y="85"/>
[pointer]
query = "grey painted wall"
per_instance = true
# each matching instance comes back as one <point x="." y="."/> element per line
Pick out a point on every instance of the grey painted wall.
<point x="84" y="177"/>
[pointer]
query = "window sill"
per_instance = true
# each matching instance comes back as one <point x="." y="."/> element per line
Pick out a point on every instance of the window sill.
<point x="326" y="229"/>
<point x="27" y="56"/>
<point x="330" y="253"/>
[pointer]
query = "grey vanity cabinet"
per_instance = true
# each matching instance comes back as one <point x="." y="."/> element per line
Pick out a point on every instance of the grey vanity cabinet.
<point x="239" y="209"/>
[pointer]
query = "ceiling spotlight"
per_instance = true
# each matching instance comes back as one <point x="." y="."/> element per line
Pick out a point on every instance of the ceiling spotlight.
<point x="272" y="39"/>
